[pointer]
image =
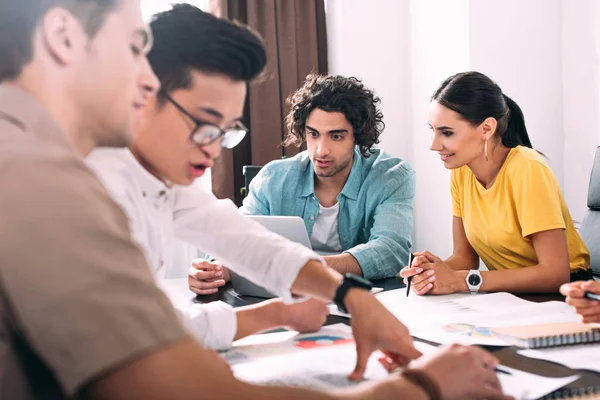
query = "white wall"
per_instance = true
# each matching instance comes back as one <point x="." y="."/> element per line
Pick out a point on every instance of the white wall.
<point x="354" y="50"/>
<point x="543" y="53"/>
<point x="523" y="55"/>
<point x="436" y="53"/>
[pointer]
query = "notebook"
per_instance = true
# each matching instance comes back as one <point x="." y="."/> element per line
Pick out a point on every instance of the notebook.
<point x="549" y="335"/>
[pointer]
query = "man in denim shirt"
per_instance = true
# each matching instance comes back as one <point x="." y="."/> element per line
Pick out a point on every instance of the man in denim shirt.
<point x="356" y="201"/>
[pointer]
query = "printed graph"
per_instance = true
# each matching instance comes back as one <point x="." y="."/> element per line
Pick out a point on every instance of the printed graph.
<point x="321" y="341"/>
<point x="469" y="330"/>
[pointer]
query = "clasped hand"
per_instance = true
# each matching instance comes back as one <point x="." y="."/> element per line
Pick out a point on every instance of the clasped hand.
<point x="431" y="275"/>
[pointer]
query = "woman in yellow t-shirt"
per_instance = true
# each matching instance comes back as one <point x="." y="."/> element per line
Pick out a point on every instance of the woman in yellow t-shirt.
<point x="507" y="206"/>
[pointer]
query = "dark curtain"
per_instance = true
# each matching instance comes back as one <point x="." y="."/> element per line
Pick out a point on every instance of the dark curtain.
<point x="295" y="37"/>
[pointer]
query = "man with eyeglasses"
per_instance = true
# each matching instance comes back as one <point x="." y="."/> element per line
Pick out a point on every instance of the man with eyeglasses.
<point x="196" y="114"/>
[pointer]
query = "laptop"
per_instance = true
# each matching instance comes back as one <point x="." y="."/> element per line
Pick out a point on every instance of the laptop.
<point x="291" y="228"/>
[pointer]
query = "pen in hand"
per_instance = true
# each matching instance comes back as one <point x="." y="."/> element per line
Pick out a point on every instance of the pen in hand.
<point x="591" y="296"/>
<point x="410" y="261"/>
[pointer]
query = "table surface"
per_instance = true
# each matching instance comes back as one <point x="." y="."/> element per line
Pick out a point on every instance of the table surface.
<point x="179" y="293"/>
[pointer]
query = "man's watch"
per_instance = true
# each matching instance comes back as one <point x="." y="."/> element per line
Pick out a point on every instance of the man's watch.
<point x="474" y="281"/>
<point x="350" y="281"/>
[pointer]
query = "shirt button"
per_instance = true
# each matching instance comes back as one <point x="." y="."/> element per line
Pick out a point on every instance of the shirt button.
<point x="314" y="199"/>
<point x="161" y="262"/>
<point x="312" y="217"/>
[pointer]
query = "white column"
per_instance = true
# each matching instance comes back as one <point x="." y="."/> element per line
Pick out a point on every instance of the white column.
<point x="439" y="48"/>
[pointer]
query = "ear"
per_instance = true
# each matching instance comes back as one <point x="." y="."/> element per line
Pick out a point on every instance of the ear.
<point x="488" y="127"/>
<point x="62" y="35"/>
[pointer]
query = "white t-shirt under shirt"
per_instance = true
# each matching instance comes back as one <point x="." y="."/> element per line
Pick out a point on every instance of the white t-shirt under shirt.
<point x="325" y="238"/>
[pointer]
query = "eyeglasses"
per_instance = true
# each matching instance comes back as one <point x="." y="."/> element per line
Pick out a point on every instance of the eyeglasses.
<point x="205" y="133"/>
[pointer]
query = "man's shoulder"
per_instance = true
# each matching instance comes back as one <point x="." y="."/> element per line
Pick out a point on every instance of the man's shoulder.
<point x="382" y="166"/>
<point x="286" y="167"/>
<point x="112" y="167"/>
<point x="35" y="166"/>
<point x="46" y="183"/>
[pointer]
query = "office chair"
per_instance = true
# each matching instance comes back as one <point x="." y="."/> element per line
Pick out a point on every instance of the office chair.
<point x="590" y="227"/>
<point x="249" y="172"/>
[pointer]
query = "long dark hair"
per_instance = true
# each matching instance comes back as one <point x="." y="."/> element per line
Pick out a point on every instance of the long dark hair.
<point x="476" y="97"/>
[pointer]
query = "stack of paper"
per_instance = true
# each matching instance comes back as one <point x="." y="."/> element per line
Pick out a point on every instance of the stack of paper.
<point x="323" y="361"/>
<point x="466" y="318"/>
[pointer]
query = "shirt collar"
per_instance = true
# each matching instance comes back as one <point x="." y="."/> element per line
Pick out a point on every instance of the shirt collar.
<point x="309" y="180"/>
<point x="355" y="179"/>
<point x="26" y="112"/>
<point x="151" y="186"/>
<point x="352" y="186"/>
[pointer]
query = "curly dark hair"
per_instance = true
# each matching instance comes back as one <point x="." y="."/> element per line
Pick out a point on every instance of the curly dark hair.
<point x="335" y="93"/>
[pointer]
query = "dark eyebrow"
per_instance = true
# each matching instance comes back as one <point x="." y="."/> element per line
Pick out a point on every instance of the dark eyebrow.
<point x="443" y="128"/>
<point x="216" y="113"/>
<point x="333" y="131"/>
<point x="211" y="111"/>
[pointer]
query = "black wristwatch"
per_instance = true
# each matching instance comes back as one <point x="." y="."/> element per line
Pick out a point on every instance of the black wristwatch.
<point x="350" y="281"/>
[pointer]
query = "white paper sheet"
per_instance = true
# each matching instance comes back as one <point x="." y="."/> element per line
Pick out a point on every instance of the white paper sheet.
<point x="519" y="384"/>
<point x="525" y="386"/>
<point x="276" y="359"/>
<point x="466" y="318"/>
<point x="263" y="346"/>
<point x="321" y="360"/>
<point x="575" y="357"/>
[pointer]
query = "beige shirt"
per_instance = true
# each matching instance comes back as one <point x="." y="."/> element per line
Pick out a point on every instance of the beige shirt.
<point x="69" y="310"/>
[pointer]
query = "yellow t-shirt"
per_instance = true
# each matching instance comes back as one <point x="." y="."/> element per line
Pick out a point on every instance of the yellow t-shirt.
<point x="524" y="199"/>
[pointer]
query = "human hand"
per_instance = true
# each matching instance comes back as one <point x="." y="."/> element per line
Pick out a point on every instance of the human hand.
<point x="463" y="373"/>
<point x="375" y="328"/>
<point x="206" y="277"/>
<point x="430" y="274"/>
<point x="460" y="372"/>
<point x="589" y="310"/>
<point x="306" y="316"/>
<point x="439" y="278"/>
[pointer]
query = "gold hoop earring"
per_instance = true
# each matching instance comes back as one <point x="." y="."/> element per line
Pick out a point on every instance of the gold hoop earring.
<point x="485" y="150"/>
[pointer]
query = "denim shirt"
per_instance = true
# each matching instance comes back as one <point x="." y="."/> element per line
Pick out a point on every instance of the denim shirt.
<point x="375" y="220"/>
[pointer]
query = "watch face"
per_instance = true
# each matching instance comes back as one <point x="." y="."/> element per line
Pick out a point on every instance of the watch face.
<point x="474" y="280"/>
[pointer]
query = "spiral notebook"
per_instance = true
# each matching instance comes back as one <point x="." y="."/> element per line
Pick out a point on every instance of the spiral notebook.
<point x="549" y="335"/>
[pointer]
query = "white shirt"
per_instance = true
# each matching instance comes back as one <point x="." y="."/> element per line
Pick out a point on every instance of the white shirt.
<point x="325" y="238"/>
<point x="157" y="213"/>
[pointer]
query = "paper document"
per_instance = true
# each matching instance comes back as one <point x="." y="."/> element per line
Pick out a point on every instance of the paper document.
<point x="466" y="318"/>
<point x="585" y="356"/>
<point x="519" y="384"/>
<point x="321" y="360"/>
<point x="525" y="386"/>
<point x="256" y="347"/>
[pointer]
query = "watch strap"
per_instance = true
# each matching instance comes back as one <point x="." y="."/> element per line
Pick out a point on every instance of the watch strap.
<point x="350" y="281"/>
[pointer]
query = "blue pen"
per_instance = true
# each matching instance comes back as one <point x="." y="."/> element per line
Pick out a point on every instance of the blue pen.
<point x="410" y="261"/>
<point x="591" y="296"/>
